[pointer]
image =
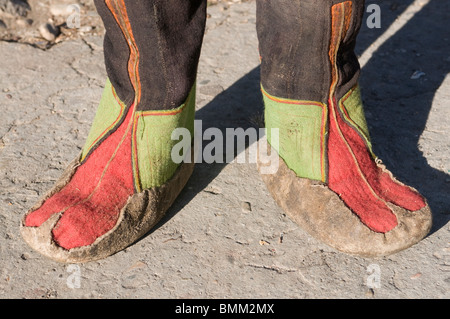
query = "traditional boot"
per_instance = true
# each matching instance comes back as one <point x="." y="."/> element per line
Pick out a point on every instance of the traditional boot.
<point x="329" y="181"/>
<point x="125" y="179"/>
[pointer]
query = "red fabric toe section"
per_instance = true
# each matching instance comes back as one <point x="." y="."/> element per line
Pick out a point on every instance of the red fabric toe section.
<point x="382" y="182"/>
<point x="84" y="222"/>
<point x="57" y="203"/>
<point x="398" y="194"/>
<point x="92" y="200"/>
<point x="360" y="182"/>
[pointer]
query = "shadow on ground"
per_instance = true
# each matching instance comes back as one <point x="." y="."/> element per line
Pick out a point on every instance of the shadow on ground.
<point x="400" y="106"/>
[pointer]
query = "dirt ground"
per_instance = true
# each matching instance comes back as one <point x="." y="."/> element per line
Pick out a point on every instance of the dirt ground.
<point x="225" y="237"/>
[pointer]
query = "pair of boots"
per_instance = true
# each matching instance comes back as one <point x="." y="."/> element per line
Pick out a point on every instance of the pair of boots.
<point x="328" y="179"/>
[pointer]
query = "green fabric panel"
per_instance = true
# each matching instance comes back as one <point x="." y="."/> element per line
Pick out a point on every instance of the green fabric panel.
<point x="300" y="130"/>
<point x="355" y="110"/>
<point x="109" y="113"/>
<point x="154" y="143"/>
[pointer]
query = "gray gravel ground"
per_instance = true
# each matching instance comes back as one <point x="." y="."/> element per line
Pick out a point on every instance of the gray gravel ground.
<point x="225" y="237"/>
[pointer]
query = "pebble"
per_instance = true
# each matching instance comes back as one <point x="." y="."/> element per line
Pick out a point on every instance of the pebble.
<point x="370" y="293"/>
<point x="246" y="207"/>
<point x="417" y="75"/>
<point x="213" y="190"/>
<point x="24" y="22"/>
<point x="48" y="31"/>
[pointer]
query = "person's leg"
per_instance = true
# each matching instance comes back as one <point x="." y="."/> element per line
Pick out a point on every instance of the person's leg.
<point x="329" y="180"/>
<point x="125" y="178"/>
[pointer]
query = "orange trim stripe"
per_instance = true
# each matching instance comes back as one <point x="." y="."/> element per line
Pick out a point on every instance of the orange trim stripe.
<point x="119" y="11"/>
<point x="290" y="101"/>
<point x="165" y="112"/>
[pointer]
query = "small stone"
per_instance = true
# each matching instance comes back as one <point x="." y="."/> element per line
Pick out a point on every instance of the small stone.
<point x="48" y="31"/>
<point x="437" y="255"/>
<point x="23" y="23"/>
<point x="263" y="242"/>
<point x="417" y="75"/>
<point x="370" y="293"/>
<point x="213" y="190"/>
<point x="246" y="207"/>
